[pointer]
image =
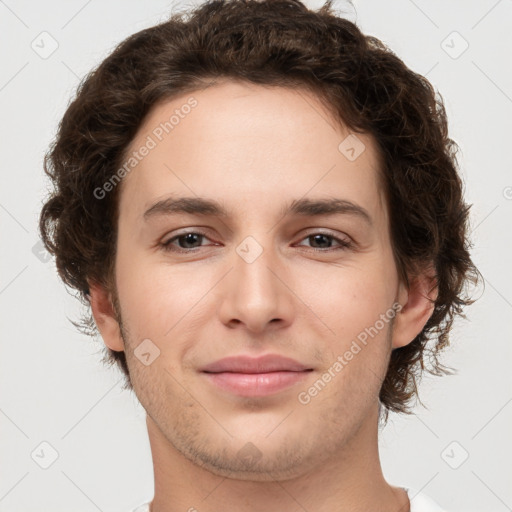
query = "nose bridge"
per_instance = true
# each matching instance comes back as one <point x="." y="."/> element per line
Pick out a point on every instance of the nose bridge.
<point x="253" y="261"/>
<point x="255" y="295"/>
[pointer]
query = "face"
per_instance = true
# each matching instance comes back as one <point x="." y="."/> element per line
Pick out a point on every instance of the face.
<point x="259" y="277"/>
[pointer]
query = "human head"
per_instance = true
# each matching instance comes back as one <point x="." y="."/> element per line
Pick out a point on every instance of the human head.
<point x="281" y="43"/>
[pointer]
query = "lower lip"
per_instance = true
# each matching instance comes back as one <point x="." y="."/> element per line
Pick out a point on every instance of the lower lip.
<point x="256" y="384"/>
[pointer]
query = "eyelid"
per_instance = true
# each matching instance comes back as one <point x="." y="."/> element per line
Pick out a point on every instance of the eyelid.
<point x="327" y="232"/>
<point x="195" y="231"/>
<point x="344" y="244"/>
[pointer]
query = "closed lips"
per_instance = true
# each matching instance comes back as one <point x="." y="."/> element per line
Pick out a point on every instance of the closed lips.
<point x="247" y="364"/>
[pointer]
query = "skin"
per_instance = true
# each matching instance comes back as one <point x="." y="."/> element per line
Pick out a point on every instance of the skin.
<point x="255" y="149"/>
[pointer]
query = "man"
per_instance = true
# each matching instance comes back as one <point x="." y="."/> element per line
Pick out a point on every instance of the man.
<point x="262" y="207"/>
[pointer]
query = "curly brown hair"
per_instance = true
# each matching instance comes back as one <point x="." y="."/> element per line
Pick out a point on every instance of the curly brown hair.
<point x="277" y="43"/>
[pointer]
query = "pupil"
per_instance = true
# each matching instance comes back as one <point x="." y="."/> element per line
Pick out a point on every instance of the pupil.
<point x="316" y="237"/>
<point x="189" y="238"/>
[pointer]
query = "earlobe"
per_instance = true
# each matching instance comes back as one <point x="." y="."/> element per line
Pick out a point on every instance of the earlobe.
<point x="105" y="317"/>
<point x="417" y="307"/>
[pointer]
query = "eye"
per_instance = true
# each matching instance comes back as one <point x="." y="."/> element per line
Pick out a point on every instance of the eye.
<point x="324" y="239"/>
<point x="187" y="240"/>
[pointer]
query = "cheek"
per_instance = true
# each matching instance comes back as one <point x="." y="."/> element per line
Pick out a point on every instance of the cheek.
<point x="351" y="295"/>
<point x="356" y="312"/>
<point x="148" y="292"/>
<point x="159" y="301"/>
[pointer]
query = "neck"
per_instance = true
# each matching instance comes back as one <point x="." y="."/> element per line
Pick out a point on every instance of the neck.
<point x="350" y="479"/>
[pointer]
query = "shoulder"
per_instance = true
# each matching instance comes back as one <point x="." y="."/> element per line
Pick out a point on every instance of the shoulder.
<point x="420" y="502"/>
<point x="142" y="508"/>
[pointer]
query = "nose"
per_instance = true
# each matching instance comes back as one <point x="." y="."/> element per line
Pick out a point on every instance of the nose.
<point x="254" y="294"/>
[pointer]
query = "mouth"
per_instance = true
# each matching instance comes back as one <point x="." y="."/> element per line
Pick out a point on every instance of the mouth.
<point x="250" y="376"/>
<point x="247" y="364"/>
<point x="256" y="384"/>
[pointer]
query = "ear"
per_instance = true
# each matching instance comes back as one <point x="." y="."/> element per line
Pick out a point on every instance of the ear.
<point x="105" y="317"/>
<point x="417" y="307"/>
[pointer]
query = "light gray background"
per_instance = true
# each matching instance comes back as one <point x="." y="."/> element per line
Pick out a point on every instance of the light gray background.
<point x="53" y="387"/>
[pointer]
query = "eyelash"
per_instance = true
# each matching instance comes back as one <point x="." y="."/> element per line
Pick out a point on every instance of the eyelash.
<point x="168" y="247"/>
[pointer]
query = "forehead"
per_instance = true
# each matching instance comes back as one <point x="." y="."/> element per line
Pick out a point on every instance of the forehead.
<point x="249" y="146"/>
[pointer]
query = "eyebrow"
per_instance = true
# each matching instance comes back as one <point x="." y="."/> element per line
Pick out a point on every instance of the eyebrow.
<point x="299" y="207"/>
